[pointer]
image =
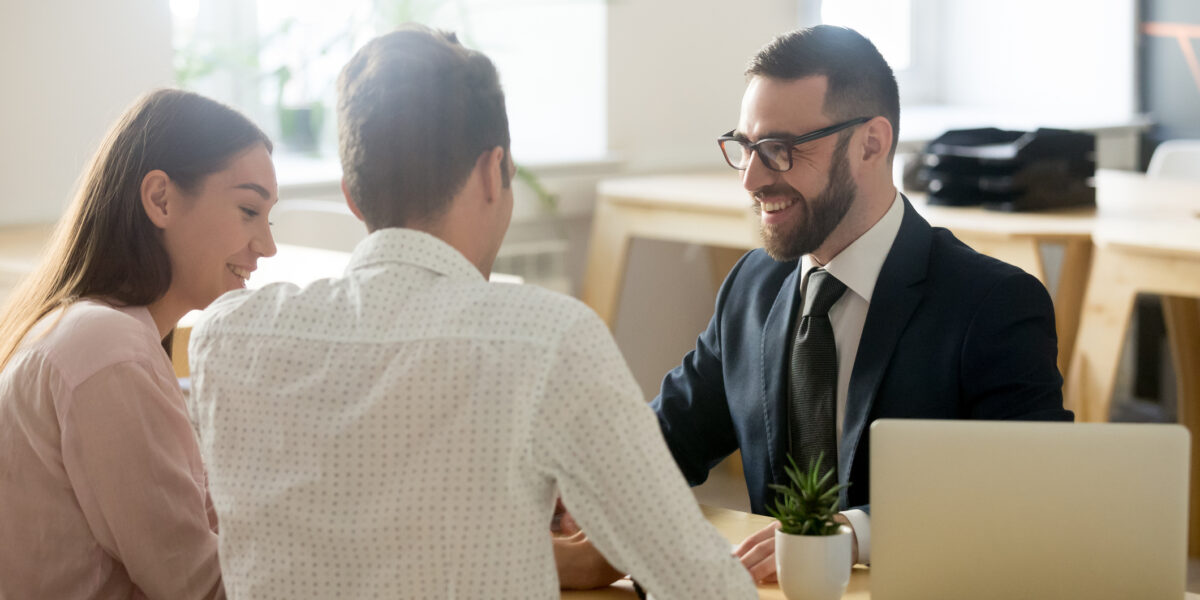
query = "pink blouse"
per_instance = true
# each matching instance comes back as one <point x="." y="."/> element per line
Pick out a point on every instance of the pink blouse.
<point x="102" y="490"/>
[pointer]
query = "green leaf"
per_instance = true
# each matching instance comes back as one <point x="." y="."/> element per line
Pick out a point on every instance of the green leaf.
<point x="809" y="501"/>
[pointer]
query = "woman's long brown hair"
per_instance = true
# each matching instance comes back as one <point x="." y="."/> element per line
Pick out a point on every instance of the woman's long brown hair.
<point x="105" y="246"/>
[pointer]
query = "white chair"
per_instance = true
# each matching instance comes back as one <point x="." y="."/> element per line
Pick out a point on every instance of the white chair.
<point x="317" y="224"/>
<point x="1178" y="159"/>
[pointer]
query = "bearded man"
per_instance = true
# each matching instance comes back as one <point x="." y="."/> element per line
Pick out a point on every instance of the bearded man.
<point x="856" y="309"/>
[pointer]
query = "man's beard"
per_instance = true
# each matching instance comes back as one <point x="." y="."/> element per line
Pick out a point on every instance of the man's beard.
<point x="789" y="241"/>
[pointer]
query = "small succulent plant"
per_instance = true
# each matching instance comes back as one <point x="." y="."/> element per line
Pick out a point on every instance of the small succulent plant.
<point x="807" y="505"/>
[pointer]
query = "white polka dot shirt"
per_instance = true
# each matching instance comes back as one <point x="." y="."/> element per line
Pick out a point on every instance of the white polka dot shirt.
<point x="403" y="431"/>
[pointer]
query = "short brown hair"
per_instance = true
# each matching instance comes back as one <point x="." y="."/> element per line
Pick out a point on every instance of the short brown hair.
<point x="415" y="111"/>
<point x="861" y="84"/>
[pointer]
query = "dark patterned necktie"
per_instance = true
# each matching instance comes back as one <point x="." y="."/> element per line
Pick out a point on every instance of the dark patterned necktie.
<point x="812" y="385"/>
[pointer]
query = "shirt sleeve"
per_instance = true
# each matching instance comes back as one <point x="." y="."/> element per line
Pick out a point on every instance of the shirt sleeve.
<point x="596" y="436"/>
<point x="861" y="522"/>
<point x="132" y="458"/>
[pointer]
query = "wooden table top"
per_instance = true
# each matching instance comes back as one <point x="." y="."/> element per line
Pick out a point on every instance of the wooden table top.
<point x="735" y="526"/>
<point x="1148" y="214"/>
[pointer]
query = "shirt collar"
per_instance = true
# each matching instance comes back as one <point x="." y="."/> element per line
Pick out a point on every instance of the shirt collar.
<point x="858" y="266"/>
<point x="139" y="312"/>
<point x="142" y="314"/>
<point x="409" y="246"/>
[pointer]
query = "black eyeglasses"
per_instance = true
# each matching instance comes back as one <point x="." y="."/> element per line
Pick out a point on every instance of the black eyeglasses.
<point x="775" y="153"/>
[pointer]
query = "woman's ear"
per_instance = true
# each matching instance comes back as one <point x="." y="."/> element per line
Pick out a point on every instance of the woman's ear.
<point x="155" y="189"/>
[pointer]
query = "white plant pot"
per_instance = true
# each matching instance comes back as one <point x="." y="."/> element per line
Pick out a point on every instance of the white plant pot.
<point x="813" y="567"/>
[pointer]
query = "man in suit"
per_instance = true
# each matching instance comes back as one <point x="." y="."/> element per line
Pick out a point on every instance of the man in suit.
<point x="855" y="309"/>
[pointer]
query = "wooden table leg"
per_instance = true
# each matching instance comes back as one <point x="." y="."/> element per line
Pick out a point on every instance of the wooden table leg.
<point x="1183" y="331"/>
<point x="1068" y="298"/>
<point x="608" y="251"/>
<point x="1107" y="305"/>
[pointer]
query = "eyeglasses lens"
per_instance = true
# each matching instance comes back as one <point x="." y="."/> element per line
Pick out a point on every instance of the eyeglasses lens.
<point x="772" y="153"/>
<point x="736" y="153"/>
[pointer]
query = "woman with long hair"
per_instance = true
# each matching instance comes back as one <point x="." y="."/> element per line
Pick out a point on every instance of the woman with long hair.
<point x="102" y="489"/>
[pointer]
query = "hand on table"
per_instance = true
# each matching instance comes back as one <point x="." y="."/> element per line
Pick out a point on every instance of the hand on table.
<point x="757" y="552"/>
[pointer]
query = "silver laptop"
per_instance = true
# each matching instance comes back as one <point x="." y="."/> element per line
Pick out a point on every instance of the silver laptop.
<point x="1008" y="510"/>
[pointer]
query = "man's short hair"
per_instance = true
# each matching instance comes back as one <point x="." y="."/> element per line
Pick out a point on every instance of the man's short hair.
<point x="415" y="111"/>
<point x="861" y="84"/>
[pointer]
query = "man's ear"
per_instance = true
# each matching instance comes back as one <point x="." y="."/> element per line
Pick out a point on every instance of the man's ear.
<point x="350" y="202"/>
<point x="156" y="186"/>
<point x="878" y="139"/>
<point x="492" y="165"/>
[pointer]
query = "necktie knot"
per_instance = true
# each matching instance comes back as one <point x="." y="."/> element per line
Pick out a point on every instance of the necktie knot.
<point x="823" y="290"/>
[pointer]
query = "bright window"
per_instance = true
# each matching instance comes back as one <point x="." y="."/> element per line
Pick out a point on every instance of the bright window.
<point x="278" y="61"/>
<point x="887" y="23"/>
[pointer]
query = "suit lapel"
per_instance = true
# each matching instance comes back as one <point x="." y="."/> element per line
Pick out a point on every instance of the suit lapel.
<point x="897" y="294"/>
<point x="773" y="356"/>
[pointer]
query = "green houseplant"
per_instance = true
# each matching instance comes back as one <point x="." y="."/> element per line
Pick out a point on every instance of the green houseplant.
<point x="812" y="551"/>
<point x="807" y="505"/>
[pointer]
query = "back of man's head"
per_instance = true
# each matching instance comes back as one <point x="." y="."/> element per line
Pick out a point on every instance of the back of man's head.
<point x="415" y="111"/>
<point x="861" y="84"/>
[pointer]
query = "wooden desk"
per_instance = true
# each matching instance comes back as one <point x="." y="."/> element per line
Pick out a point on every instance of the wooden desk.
<point x="712" y="209"/>
<point x="1152" y="247"/>
<point x="735" y="526"/>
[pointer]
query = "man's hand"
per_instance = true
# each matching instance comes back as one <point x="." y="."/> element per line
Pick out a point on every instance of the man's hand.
<point x="580" y="565"/>
<point x="563" y="524"/>
<point x="757" y="552"/>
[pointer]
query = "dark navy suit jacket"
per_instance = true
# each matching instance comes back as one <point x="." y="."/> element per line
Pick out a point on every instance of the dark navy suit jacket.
<point x="949" y="334"/>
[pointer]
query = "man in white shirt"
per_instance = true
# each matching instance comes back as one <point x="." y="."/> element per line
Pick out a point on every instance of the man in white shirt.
<point x="404" y="431"/>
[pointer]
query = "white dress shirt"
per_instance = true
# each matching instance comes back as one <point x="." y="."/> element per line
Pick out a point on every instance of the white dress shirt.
<point x="403" y="431"/>
<point x="858" y="267"/>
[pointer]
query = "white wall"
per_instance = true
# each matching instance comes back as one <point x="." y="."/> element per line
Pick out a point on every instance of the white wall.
<point x="69" y="69"/>
<point x="675" y="76"/>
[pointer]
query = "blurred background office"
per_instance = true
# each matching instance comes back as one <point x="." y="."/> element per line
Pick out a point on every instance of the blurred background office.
<point x="596" y="89"/>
